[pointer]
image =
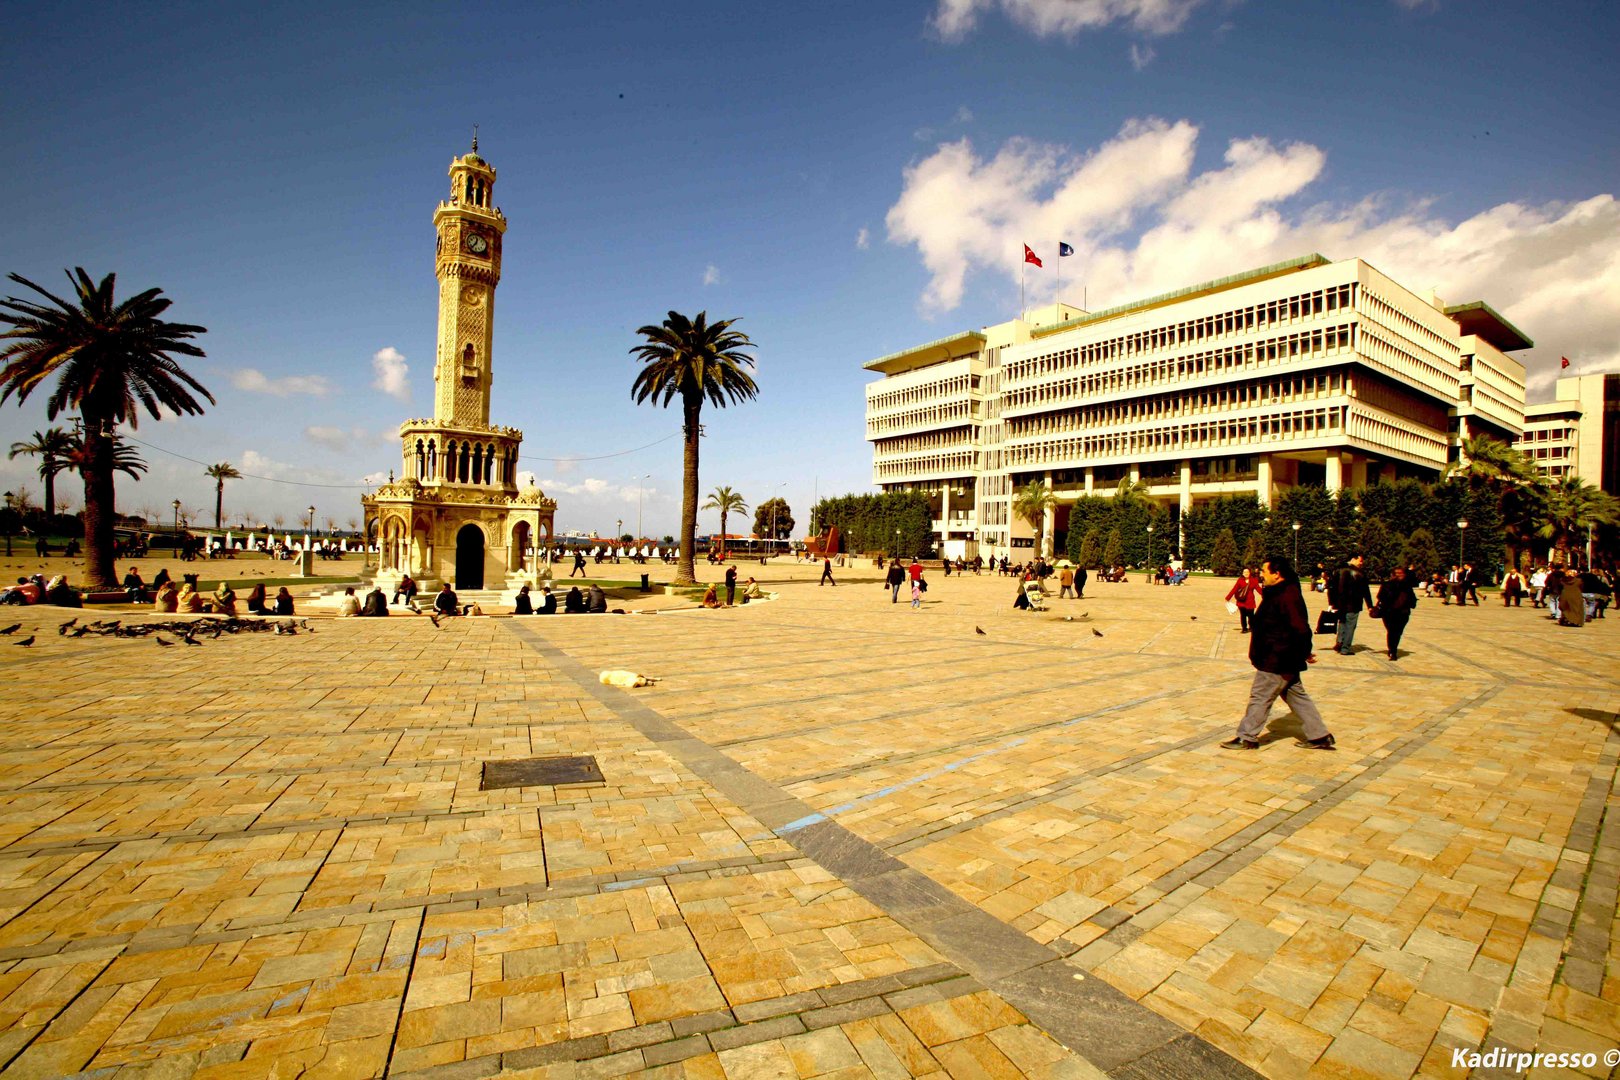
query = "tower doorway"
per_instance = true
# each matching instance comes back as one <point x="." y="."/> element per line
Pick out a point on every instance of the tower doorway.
<point x="470" y="557"/>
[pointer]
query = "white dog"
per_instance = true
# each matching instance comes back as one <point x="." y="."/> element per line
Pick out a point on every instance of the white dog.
<point x="626" y="679"/>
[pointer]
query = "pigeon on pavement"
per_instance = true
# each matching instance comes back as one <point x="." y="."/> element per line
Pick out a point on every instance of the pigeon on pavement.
<point x="161" y="640"/>
<point x="29" y="640"/>
<point x="1095" y="632"/>
<point x="980" y="632"/>
<point x="12" y="629"/>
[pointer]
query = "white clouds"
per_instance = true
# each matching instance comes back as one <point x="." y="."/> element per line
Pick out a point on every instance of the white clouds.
<point x="711" y="275"/>
<point x="964" y="115"/>
<point x="389" y="366"/>
<point x="953" y="20"/>
<point x="375" y="479"/>
<point x="863" y="239"/>
<point x="1142" y="55"/>
<point x="1142" y="222"/>
<point x="255" y="381"/>
<point x="603" y="492"/>
<point x="341" y="440"/>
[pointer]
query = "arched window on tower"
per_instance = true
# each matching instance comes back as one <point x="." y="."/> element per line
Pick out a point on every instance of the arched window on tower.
<point x="469" y="189"/>
<point x="478" y="465"/>
<point x="469" y="362"/>
<point x="432" y="460"/>
<point x="466" y="462"/>
<point x="489" y="465"/>
<point x="421" y="459"/>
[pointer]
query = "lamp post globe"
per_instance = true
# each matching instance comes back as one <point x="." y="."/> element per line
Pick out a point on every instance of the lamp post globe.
<point x="11" y="501"/>
<point x="1150" y="548"/>
<point x="1462" y="533"/>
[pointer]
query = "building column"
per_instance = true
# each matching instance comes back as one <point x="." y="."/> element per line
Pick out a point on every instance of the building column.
<point x="1186" y="505"/>
<point x="1335" y="471"/>
<point x="1091" y="479"/>
<point x="1136" y="474"/>
<point x="944" y="513"/>
<point x="1262" y="484"/>
<point x="1048" y="521"/>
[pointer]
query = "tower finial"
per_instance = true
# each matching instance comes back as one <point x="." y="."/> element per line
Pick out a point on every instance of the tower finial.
<point x="475" y="138"/>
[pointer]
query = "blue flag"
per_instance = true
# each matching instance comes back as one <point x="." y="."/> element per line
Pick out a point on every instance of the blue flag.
<point x="1064" y="249"/>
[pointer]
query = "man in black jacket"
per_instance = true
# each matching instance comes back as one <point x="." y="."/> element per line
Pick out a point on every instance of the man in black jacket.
<point x="1348" y="594"/>
<point x="896" y="578"/>
<point x="1279" y="649"/>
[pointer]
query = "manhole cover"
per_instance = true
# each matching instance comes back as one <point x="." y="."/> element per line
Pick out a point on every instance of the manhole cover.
<point x="541" y="771"/>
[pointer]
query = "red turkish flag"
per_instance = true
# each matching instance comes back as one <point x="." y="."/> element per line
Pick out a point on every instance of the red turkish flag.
<point x="1030" y="257"/>
<point x="1561" y="366"/>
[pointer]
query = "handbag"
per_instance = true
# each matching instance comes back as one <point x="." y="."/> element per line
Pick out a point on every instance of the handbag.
<point x="1375" y="612"/>
<point x="1327" y="622"/>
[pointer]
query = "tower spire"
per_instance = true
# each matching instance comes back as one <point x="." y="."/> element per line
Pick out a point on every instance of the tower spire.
<point x="475" y="138"/>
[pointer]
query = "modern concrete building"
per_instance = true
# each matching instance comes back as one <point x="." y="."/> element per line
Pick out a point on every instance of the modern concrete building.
<point x="1303" y="372"/>
<point x="1577" y="433"/>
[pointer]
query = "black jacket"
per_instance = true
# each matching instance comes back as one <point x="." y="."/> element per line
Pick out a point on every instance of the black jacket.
<point x="523" y="605"/>
<point x="897" y="574"/>
<point x="375" y="605"/>
<point x="446" y="603"/>
<point x="1280" y="633"/>
<point x="1347" y="590"/>
<point x="548" y="604"/>
<point x="1396" y="599"/>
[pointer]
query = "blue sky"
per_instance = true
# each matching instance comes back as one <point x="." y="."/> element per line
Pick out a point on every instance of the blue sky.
<point x="847" y="178"/>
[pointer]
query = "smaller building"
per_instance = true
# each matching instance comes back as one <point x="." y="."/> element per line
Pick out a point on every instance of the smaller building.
<point x="1578" y="432"/>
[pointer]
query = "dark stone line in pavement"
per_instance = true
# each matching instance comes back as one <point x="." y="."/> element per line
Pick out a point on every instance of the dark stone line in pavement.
<point x="1084" y="1014"/>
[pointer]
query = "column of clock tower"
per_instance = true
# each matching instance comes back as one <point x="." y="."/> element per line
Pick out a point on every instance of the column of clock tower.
<point x="468" y="265"/>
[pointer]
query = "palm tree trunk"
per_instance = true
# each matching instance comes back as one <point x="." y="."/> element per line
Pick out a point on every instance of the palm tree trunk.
<point x="691" y="407"/>
<point x="219" y="499"/>
<point x="48" y="474"/>
<point x="100" y="571"/>
<point x="722" y="532"/>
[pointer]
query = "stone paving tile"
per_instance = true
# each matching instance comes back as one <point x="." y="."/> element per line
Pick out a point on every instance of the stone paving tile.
<point x="283" y="862"/>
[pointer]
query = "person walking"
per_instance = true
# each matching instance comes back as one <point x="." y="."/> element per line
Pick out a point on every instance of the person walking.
<point x="1080" y="576"/>
<point x="1348" y="594"/>
<point x="1280" y="650"/>
<point x="1066" y="583"/>
<point x="1396" y="599"/>
<point x="1243" y="593"/>
<point x="895" y="578"/>
<point x="1512" y="589"/>
<point x="731" y="585"/>
<point x="1571" y="604"/>
<point x="826" y="573"/>
<point x="579" y="564"/>
<point x="917" y="587"/>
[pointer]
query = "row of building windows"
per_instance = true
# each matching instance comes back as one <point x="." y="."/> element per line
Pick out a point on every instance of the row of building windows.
<point x="956" y="386"/>
<point x="1548" y="435"/>
<point x="1439" y="353"/>
<point x="1173" y="406"/>
<point x="932" y="440"/>
<point x="928" y="416"/>
<point x="934" y="465"/>
<point x="1178" y="370"/>
<point x="1191" y="331"/>
<point x="1281" y="425"/>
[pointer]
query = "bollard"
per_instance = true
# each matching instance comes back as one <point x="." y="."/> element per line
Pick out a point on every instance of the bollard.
<point x="645" y="585"/>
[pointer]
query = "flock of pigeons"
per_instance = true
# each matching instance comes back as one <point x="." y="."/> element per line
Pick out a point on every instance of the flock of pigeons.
<point x="187" y="631"/>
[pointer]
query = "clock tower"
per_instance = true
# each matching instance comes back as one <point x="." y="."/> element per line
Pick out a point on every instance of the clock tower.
<point x="456" y="513"/>
<point x="468" y="265"/>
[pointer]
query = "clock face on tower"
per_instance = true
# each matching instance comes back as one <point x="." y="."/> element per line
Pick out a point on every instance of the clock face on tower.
<point x="476" y="243"/>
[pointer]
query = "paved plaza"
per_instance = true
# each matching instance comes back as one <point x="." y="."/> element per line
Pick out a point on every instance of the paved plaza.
<point x="838" y="838"/>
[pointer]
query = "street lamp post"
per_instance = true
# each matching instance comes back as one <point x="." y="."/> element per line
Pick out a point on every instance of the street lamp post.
<point x="1296" y="547"/>
<point x="895" y="554"/>
<point x="1462" y="533"/>
<point x="177" y="525"/>
<point x="640" y="486"/>
<point x="1150" y="549"/>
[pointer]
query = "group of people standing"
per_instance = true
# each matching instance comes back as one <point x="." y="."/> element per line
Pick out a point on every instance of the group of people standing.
<point x="1572" y="597"/>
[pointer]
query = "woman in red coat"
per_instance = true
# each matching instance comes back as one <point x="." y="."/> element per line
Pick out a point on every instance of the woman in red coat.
<point x="1243" y="593"/>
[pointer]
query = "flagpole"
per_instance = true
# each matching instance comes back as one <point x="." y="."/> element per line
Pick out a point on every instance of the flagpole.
<point x="1058" y="299"/>
<point x="1023" y="268"/>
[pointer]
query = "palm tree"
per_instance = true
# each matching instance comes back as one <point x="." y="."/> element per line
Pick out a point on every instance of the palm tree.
<point x="1513" y="480"/>
<point x="727" y="502"/>
<point x="53" y="446"/>
<point x="1131" y="492"/>
<point x="111" y="360"/>
<point x="696" y="360"/>
<point x="1574" y="507"/>
<point x="222" y="472"/>
<point x="125" y="459"/>
<point x="1031" y="503"/>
